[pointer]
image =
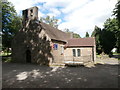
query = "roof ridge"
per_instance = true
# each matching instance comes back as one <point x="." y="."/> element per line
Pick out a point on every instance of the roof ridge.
<point x="52" y="27"/>
<point x="55" y="33"/>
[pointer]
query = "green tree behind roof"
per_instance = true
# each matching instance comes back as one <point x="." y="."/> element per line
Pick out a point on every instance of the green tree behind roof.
<point x="87" y="34"/>
<point x="52" y="21"/>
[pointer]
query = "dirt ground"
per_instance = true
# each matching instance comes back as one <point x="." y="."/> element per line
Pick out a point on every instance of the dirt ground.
<point x="16" y="75"/>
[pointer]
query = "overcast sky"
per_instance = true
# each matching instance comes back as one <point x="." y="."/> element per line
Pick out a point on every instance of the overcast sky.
<point x="79" y="16"/>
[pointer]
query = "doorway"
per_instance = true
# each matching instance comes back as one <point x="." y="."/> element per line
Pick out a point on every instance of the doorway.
<point x="28" y="56"/>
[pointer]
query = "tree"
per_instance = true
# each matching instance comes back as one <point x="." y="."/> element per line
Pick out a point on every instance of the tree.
<point x="96" y="33"/>
<point x="87" y="34"/>
<point x="66" y="30"/>
<point x="50" y="20"/>
<point x="116" y="12"/>
<point x="107" y="40"/>
<point x="109" y="35"/>
<point x="75" y="35"/>
<point x="11" y="23"/>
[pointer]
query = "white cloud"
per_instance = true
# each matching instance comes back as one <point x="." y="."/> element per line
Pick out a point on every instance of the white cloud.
<point x="84" y="18"/>
<point x="21" y="4"/>
<point x="40" y="14"/>
<point x="54" y="12"/>
<point x="78" y="15"/>
<point x="59" y="21"/>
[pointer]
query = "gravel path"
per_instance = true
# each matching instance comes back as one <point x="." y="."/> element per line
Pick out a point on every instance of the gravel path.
<point x="111" y="61"/>
<point x="16" y="75"/>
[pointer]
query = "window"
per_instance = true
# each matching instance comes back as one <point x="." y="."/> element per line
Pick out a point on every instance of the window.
<point x="74" y="52"/>
<point x="55" y="46"/>
<point x="25" y="13"/>
<point x="78" y="52"/>
<point x="62" y="50"/>
<point x="31" y="12"/>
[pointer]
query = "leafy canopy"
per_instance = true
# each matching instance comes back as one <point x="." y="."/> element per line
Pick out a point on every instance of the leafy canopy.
<point x="75" y="35"/>
<point x="50" y="20"/>
<point x="87" y="34"/>
<point x="11" y="23"/>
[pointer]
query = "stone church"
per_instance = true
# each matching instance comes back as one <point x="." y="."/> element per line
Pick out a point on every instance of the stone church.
<point x="37" y="42"/>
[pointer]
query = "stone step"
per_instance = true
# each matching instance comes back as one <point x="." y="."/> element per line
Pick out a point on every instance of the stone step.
<point x="73" y="62"/>
<point x="57" y="64"/>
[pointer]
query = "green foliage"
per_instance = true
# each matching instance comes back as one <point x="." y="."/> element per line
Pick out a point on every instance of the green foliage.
<point x="7" y="59"/>
<point x="107" y="40"/>
<point x="96" y="33"/>
<point x="5" y="53"/>
<point x="112" y="25"/>
<point x="50" y="20"/>
<point x="108" y="37"/>
<point x="116" y="11"/>
<point x="11" y="23"/>
<point x="87" y="34"/>
<point x="66" y="30"/>
<point x="75" y="35"/>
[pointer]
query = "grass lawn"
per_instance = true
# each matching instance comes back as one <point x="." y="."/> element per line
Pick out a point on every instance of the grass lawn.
<point x="6" y="57"/>
<point x="116" y="53"/>
<point x="4" y="54"/>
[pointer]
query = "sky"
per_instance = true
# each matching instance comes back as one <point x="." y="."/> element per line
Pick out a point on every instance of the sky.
<point x="79" y="16"/>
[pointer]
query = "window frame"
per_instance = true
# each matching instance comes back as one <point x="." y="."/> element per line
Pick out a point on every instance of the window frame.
<point x="74" y="52"/>
<point x="78" y="52"/>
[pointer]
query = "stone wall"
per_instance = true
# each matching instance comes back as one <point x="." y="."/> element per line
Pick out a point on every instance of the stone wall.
<point x="86" y="54"/>
<point x="34" y="39"/>
<point x="57" y="54"/>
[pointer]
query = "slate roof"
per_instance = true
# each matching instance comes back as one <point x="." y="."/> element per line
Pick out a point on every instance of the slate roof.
<point x="59" y="35"/>
<point x="55" y="34"/>
<point x="81" y="42"/>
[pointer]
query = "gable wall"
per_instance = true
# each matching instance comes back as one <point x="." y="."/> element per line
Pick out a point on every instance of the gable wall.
<point x="85" y="54"/>
<point x="32" y="38"/>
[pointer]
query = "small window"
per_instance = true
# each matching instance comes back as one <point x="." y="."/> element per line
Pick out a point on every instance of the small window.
<point x="74" y="52"/>
<point x="25" y="13"/>
<point x="31" y="10"/>
<point x="62" y="50"/>
<point x="78" y="52"/>
<point x="55" y="46"/>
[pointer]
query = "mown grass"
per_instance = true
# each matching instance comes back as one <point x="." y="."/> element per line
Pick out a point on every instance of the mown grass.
<point x="7" y="59"/>
<point x="116" y="53"/>
<point x="99" y="56"/>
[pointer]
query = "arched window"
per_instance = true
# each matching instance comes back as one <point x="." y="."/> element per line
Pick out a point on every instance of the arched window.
<point x="31" y="12"/>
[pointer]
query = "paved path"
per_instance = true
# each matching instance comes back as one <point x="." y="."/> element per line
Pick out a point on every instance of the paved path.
<point x="111" y="61"/>
<point x="36" y="76"/>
